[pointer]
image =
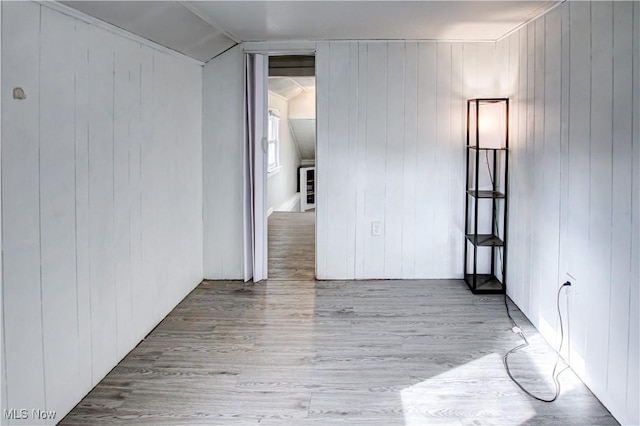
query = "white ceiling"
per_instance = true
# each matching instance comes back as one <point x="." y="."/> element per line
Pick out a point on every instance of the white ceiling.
<point x="171" y="24"/>
<point x="203" y="29"/>
<point x="364" y="20"/>
<point x="290" y="87"/>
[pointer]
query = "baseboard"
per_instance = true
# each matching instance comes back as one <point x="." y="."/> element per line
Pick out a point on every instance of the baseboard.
<point x="290" y="204"/>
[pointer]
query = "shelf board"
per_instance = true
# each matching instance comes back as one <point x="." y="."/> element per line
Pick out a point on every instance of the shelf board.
<point x="485" y="283"/>
<point x="488" y="100"/>
<point x="485" y="240"/>
<point x="482" y="148"/>
<point x="485" y="194"/>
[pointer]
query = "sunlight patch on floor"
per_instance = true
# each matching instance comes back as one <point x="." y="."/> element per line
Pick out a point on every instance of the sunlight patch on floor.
<point x="540" y="358"/>
<point x="465" y="393"/>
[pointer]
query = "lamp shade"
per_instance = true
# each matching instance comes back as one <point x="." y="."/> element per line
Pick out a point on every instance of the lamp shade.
<point x="487" y="123"/>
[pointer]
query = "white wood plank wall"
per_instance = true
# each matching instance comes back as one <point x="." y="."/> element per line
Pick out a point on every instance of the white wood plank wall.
<point x="3" y="370"/>
<point x="101" y="200"/>
<point x="574" y="196"/>
<point x="222" y="152"/>
<point x="391" y="149"/>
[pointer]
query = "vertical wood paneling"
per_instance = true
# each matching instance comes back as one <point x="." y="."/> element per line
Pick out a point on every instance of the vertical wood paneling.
<point x="549" y="227"/>
<point x="633" y="384"/>
<point x="159" y="183"/>
<point x="187" y="86"/>
<point x="572" y="190"/>
<point x="74" y="154"/>
<point x="147" y="195"/>
<point x="223" y="141"/>
<point x="135" y="194"/>
<point x="521" y="246"/>
<point x="124" y="105"/>
<point x="470" y="71"/>
<point x="527" y="164"/>
<point x="82" y="231"/>
<point x="57" y="211"/>
<point x="362" y="228"/>
<point x="337" y="169"/>
<point x="393" y="197"/>
<point x="425" y="157"/>
<point x="579" y="168"/>
<point x="352" y="196"/>
<point x="101" y="215"/>
<point x="375" y="155"/>
<point x="600" y="197"/>
<point x="537" y="158"/>
<point x="564" y="179"/>
<point x="323" y="70"/>
<point x="621" y="187"/>
<point x="502" y="71"/>
<point x="21" y="207"/>
<point x="456" y="163"/>
<point x="390" y="130"/>
<point x="470" y="91"/>
<point x="487" y="77"/>
<point x="409" y="184"/>
<point x="517" y="148"/>
<point x="3" y="354"/>
<point x="441" y="178"/>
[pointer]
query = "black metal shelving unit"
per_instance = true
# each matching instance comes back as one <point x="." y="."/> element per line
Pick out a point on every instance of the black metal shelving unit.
<point x="486" y="198"/>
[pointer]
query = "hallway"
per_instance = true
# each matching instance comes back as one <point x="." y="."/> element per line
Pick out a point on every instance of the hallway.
<point x="292" y="246"/>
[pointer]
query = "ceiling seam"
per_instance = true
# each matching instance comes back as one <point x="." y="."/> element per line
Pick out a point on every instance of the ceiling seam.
<point x="222" y="53"/>
<point x="378" y="40"/>
<point x="206" y="18"/>
<point x="527" y="22"/>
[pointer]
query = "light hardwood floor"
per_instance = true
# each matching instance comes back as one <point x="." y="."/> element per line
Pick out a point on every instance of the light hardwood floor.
<point x="335" y="352"/>
<point x="292" y="249"/>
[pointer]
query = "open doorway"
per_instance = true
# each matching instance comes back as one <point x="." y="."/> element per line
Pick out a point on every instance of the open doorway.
<point x="291" y="167"/>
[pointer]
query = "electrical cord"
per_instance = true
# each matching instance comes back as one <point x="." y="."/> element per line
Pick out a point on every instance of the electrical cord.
<point x="555" y="374"/>
<point x="516" y="329"/>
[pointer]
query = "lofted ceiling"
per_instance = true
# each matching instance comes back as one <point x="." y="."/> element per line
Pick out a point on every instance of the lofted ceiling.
<point x="304" y="135"/>
<point x="290" y="87"/>
<point x="303" y="129"/>
<point x="204" y="29"/>
<point x="169" y="23"/>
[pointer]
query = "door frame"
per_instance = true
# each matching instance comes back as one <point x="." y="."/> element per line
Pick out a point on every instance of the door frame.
<point x="260" y="256"/>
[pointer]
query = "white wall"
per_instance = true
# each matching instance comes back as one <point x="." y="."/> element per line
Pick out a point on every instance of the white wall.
<point x="391" y="149"/>
<point x="101" y="200"/>
<point x="222" y="151"/>
<point x="3" y="370"/>
<point x="303" y="105"/>
<point x="575" y="138"/>
<point x="281" y="186"/>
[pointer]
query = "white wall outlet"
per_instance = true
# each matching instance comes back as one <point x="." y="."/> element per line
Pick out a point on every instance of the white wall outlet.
<point x="376" y="228"/>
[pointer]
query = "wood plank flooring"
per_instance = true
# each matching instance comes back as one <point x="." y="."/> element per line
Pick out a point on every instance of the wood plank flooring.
<point x="295" y="351"/>
<point x="334" y="352"/>
<point x="292" y="248"/>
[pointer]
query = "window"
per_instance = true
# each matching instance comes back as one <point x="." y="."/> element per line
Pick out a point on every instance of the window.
<point x="274" y="141"/>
